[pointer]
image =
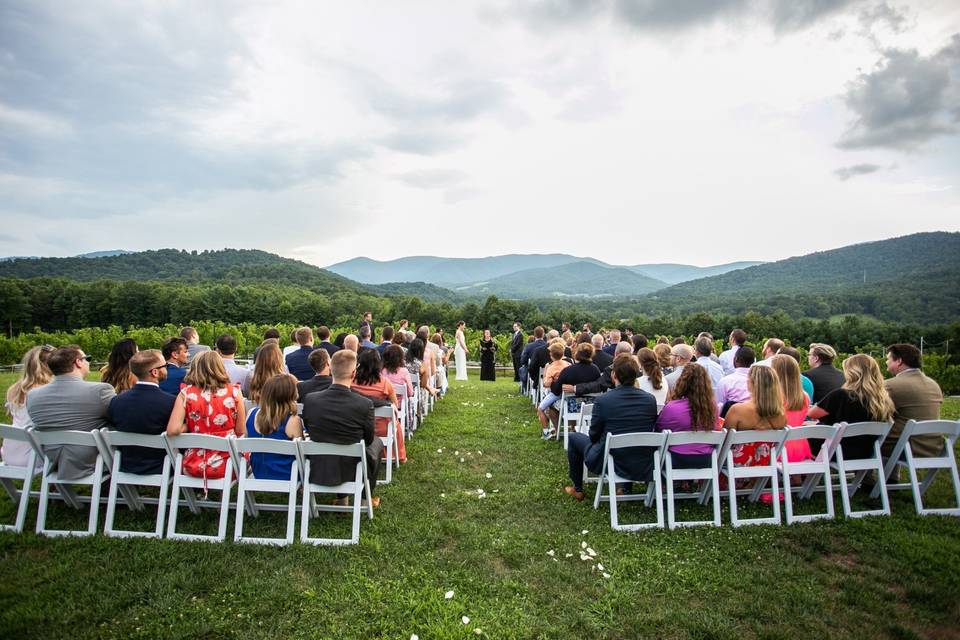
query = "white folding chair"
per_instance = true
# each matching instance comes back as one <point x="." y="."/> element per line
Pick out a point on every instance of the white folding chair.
<point x="903" y="456"/>
<point x="10" y="473"/>
<point x="356" y="488"/>
<point x="567" y="416"/>
<point x="861" y="467"/>
<point x="248" y="406"/>
<point x="299" y="409"/>
<point x="761" y="474"/>
<point x="390" y="444"/>
<point x="709" y="474"/>
<point x="247" y="484"/>
<point x="586" y="417"/>
<point x="654" y="491"/>
<point x="187" y="483"/>
<point x="810" y="468"/>
<point x="113" y="442"/>
<point x="93" y="480"/>
<point x="401" y="391"/>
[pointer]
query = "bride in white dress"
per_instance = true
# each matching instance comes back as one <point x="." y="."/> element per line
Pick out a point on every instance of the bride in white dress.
<point x="460" y="353"/>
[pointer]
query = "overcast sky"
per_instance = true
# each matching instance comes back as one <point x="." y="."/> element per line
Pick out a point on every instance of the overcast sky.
<point x="626" y="130"/>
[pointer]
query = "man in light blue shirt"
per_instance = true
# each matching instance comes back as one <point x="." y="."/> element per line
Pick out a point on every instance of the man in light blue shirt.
<point x="704" y="347"/>
<point x="738" y="337"/>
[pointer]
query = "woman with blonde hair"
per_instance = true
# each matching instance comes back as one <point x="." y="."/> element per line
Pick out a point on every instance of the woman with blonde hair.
<point x="116" y="372"/>
<point x="269" y="364"/>
<point x="862" y="398"/>
<point x="652" y="380"/>
<point x="35" y="374"/>
<point x="796" y="403"/>
<point x="275" y="418"/>
<point x="665" y="357"/>
<point x="550" y="373"/>
<point x="764" y="411"/>
<point x="207" y="404"/>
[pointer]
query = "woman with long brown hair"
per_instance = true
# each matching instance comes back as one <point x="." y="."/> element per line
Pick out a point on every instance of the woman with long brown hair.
<point x="652" y="380"/>
<point x="116" y="372"/>
<point x="269" y="364"/>
<point x="35" y="374"/>
<point x="692" y="409"/>
<point x="862" y="398"/>
<point x="275" y="418"/>
<point x="764" y="411"/>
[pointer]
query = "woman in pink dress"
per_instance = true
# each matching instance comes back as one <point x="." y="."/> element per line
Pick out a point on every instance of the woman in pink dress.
<point x="795" y="404"/>
<point x="370" y="382"/>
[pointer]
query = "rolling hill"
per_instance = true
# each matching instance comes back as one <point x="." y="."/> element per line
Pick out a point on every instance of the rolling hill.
<point x="677" y="273"/>
<point x="581" y="279"/>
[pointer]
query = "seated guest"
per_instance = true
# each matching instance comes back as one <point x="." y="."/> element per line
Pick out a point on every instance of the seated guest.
<point x="770" y="349"/>
<point x="323" y="334"/>
<point x="395" y="371"/>
<point x="804" y="380"/>
<point x="339" y="416"/>
<point x="582" y="370"/>
<point x="704" y="349"/>
<point x="738" y="337"/>
<point x="365" y="335"/>
<point x="33" y="374"/>
<point x="664" y="356"/>
<point x="796" y="403"/>
<point x="386" y="339"/>
<point x="402" y="325"/>
<point x="763" y="411"/>
<point x="143" y="409"/>
<point x="193" y="343"/>
<point x="691" y="409"/>
<point x="625" y="409"/>
<point x="116" y="372"/>
<point x="734" y="387"/>
<point x="431" y="350"/>
<point x="540" y="357"/>
<point x="275" y="418"/>
<point x="639" y="341"/>
<point x="271" y="333"/>
<point x="652" y="381"/>
<point x="862" y="398"/>
<point x="293" y="346"/>
<point x="682" y="356"/>
<point x="269" y="364"/>
<point x="600" y="357"/>
<point x="370" y="382"/>
<point x="297" y="362"/>
<point x="227" y="348"/>
<point x="417" y="367"/>
<point x="208" y="404"/>
<point x="443" y="357"/>
<point x="533" y="342"/>
<point x="320" y="363"/>
<point x="708" y="336"/>
<point x="914" y="396"/>
<point x="174" y="351"/>
<point x="351" y="343"/>
<point x="824" y="376"/>
<point x="678" y="340"/>
<point x="602" y="384"/>
<point x="550" y="373"/>
<point x="340" y="339"/>
<point x="69" y="403"/>
<point x="614" y="341"/>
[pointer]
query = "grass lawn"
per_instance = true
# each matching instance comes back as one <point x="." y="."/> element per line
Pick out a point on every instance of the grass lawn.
<point x="896" y="577"/>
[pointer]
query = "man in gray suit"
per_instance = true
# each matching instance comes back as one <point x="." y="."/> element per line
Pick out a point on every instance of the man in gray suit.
<point x="69" y="402"/>
<point x="193" y="343"/>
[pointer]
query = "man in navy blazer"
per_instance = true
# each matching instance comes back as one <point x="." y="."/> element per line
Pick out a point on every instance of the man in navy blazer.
<point x="625" y="409"/>
<point x="528" y="351"/>
<point x="298" y="362"/>
<point x="143" y="409"/>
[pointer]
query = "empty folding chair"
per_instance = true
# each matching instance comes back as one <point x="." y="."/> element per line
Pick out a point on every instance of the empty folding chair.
<point x="177" y="445"/>
<point x="903" y="456"/>
<point x="94" y="480"/>
<point x="609" y="474"/>
<point x="760" y="474"/>
<point x="113" y="442"/>
<point x="247" y="483"/>
<point x="820" y="467"/>
<point x="356" y="489"/>
<point x="586" y="417"/>
<point x="568" y="414"/>
<point x="860" y="467"/>
<point x="710" y="475"/>
<point x="389" y="441"/>
<point x="10" y="473"/>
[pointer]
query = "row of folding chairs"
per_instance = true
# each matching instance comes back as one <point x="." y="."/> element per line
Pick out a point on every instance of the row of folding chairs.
<point x="828" y="472"/>
<point x="176" y="484"/>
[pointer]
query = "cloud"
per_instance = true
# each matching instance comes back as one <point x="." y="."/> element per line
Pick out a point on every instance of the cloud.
<point x="845" y="173"/>
<point x="433" y="178"/>
<point x="906" y="100"/>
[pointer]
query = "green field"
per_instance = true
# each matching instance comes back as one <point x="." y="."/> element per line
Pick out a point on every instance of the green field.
<point x="896" y="577"/>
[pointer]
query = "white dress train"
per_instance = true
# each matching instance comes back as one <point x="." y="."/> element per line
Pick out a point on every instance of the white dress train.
<point x="460" y="357"/>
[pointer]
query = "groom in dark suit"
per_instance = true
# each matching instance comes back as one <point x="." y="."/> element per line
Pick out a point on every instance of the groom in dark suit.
<point x="516" y="348"/>
<point x="340" y="416"/>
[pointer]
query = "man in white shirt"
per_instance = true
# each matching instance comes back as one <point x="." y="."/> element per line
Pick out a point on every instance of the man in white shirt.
<point x="704" y="347"/>
<point x="682" y="354"/>
<point x="737" y="339"/>
<point x="770" y="349"/>
<point x="227" y="348"/>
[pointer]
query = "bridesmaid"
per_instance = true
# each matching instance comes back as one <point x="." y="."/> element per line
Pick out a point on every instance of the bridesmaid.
<point x="460" y="352"/>
<point x="488" y="350"/>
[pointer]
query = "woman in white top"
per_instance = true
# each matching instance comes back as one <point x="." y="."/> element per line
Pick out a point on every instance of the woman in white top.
<point x="460" y="352"/>
<point x="652" y="379"/>
<point x="35" y="374"/>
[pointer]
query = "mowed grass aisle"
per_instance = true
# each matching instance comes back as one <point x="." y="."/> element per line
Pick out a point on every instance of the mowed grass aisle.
<point x="893" y="577"/>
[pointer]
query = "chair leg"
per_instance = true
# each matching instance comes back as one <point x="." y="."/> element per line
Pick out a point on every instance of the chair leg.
<point x="671" y="507"/>
<point x="612" y="488"/>
<point x="241" y="497"/>
<point x="162" y="501"/>
<point x="24" y="499"/>
<point x="112" y="496"/>
<point x="775" y="481"/>
<point x="44" y="499"/>
<point x="291" y="510"/>
<point x="305" y="510"/>
<point x="174" y="504"/>
<point x="917" y="494"/>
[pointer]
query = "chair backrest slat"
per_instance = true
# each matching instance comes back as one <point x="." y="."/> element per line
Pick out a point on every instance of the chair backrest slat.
<point x="816" y="431"/>
<point x="265" y="445"/>
<point x="773" y="436"/>
<point x="10" y="432"/>
<point x="642" y="439"/>
<point x="199" y="441"/>
<point x="309" y="448"/>
<point x="121" y="439"/>
<point x="714" y="438"/>
<point x="853" y="429"/>
<point x="65" y="437"/>
<point x="383" y="412"/>
<point x="949" y="428"/>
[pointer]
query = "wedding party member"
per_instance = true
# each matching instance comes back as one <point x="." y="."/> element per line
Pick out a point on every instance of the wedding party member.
<point x="763" y="411"/>
<point x="208" y="404"/>
<point x="460" y="351"/>
<point x="193" y="343"/>
<point x="488" y="351"/>
<point x="691" y="409"/>
<point x="914" y="396"/>
<point x="116" y="372"/>
<point x="275" y="418"/>
<point x="796" y="403"/>
<point x="320" y="363"/>
<point x="862" y="398"/>
<point x="624" y="409"/>
<point x="69" y="403"/>
<point x="144" y="409"/>
<point x="174" y="351"/>
<point x="516" y="348"/>
<point x="369" y="381"/>
<point x="33" y="374"/>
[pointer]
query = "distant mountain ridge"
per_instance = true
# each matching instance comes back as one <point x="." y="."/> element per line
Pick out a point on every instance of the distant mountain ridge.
<point x="573" y="279"/>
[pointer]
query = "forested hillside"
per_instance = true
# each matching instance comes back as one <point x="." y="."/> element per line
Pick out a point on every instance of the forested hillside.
<point x="583" y="279"/>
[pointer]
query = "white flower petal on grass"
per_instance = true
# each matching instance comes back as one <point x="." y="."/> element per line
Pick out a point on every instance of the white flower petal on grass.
<point x="584" y="556"/>
<point x="489" y="475"/>
<point x="600" y="566"/>
<point x="606" y="575"/>
<point x="414" y="636"/>
<point x="461" y="459"/>
<point x="448" y="595"/>
<point x="496" y="490"/>
<point x="568" y="555"/>
<point x="465" y="620"/>
<point x="456" y="453"/>
<point x="439" y="450"/>
<point x="479" y="453"/>
<point x="478" y="631"/>
<point x="584" y="532"/>
<point x="583" y="545"/>
<point x="551" y="553"/>
<point x="591" y="552"/>
<point x="443" y="495"/>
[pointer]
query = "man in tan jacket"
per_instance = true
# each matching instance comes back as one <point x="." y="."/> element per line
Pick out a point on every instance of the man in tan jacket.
<point x="915" y="397"/>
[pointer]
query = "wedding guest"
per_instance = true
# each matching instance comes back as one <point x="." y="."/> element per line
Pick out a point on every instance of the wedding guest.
<point x="116" y="372"/>
<point x="175" y="352"/>
<point x="796" y="403"/>
<point x="269" y="364"/>
<point x="652" y="381"/>
<point x="804" y="380"/>
<point x="824" y="376"/>
<point x="323" y="334"/>
<point x="770" y="349"/>
<point x="682" y="356"/>
<point x="144" y="409"/>
<point x="193" y="343"/>
<point x="738" y="337"/>
<point x="691" y="409"/>
<point x="664" y="356"/>
<point x="763" y="411"/>
<point x="735" y="387"/>
<point x="275" y="418"/>
<point x="914" y="396"/>
<point x="704" y="349"/>
<point x="370" y="382"/>
<point x="227" y="348"/>
<point x="320" y="363"/>
<point x="34" y="374"/>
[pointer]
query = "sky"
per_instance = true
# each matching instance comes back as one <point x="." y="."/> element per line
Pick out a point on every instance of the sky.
<point x="631" y="131"/>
